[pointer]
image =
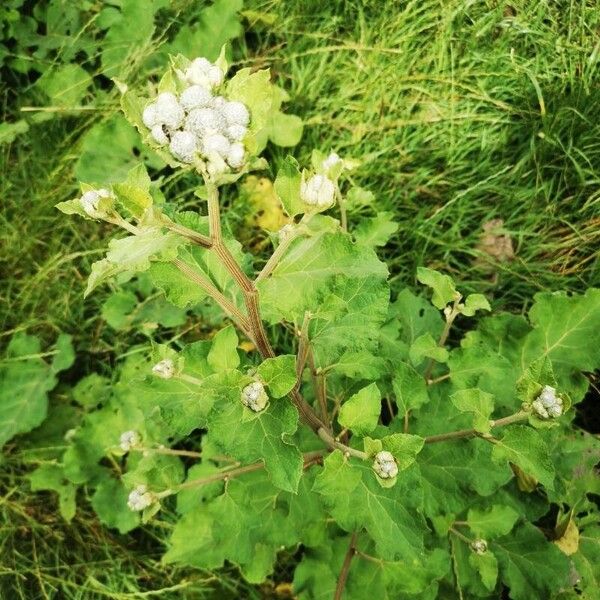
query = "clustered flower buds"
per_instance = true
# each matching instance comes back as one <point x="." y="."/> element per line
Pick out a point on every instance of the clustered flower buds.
<point x="318" y="191"/>
<point x="548" y="405"/>
<point x="332" y="161"/>
<point x="255" y="397"/>
<point x="164" y="369"/>
<point x="385" y="465"/>
<point x="199" y="123"/>
<point x="129" y="440"/>
<point x="479" y="546"/>
<point x="91" y="202"/>
<point x="140" y="498"/>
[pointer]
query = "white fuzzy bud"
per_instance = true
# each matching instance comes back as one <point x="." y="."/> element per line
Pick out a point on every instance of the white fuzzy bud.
<point x="236" y="155"/>
<point x="129" y="440"/>
<point x="159" y="135"/>
<point x="196" y="96"/>
<point x="218" y="102"/>
<point x="215" y="143"/>
<point x="333" y="160"/>
<point x="236" y="113"/>
<point x="183" y="146"/>
<point x="70" y="434"/>
<point x="318" y="191"/>
<point x="236" y="133"/>
<point x="165" y="369"/>
<point x="202" y="72"/>
<point x="149" y="116"/>
<point x="479" y="546"/>
<point x="385" y="465"/>
<point x="90" y="202"/>
<point x="168" y="111"/>
<point x="204" y="121"/>
<point x="548" y="405"/>
<point x="215" y="76"/>
<point x="140" y="498"/>
<point x="255" y="397"/>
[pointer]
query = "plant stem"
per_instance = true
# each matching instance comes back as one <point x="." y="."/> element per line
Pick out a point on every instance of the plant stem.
<point x="169" y="452"/>
<point x="303" y="348"/>
<point x="333" y="443"/>
<point x="228" y="307"/>
<point x="277" y="255"/>
<point x="340" y="199"/>
<point x="459" y="535"/>
<point x="444" y="336"/>
<point x="343" y="576"/>
<point x="462" y="433"/>
<point x="230" y="473"/>
<point x="190" y="234"/>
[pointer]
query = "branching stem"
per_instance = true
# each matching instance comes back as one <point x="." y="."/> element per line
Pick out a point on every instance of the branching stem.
<point x="452" y="314"/>
<point x="343" y="576"/>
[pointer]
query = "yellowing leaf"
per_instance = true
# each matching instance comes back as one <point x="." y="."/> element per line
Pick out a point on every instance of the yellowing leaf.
<point x="266" y="211"/>
<point x="568" y="541"/>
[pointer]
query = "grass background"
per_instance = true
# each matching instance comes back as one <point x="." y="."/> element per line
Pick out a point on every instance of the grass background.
<point x="460" y="112"/>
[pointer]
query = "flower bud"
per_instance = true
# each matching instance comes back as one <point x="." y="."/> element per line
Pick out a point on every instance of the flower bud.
<point x="149" y="116"/>
<point x="236" y="155"/>
<point x="479" y="546"/>
<point x="236" y="113"/>
<point x="129" y="440"/>
<point x="168" y="110"/>
<point x="159" y="135"/>
<point x="202" y="72"/>
<point x="165" y="369"/>
<point x="140" y="498"/>
<point x="548" y="405"/>
<point x="215" y="142"/>
<point x="183" y="146"/>
<point x="318" y="191"/>
<point x="91" y="201"/>
<point x="332" y="161"/>
<point x="385" y="465"/>
<point x="255" y="397"/>
<point x="236" y="133"/>
<point x="204" y="121"/>
<point x="196" y="96"/>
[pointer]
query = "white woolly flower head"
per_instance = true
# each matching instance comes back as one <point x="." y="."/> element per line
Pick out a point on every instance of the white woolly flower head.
<point x="215" y="142"/>
<point x="236" y="113"/>
<point x="96" y="203"/>
<point x="140" y="498"/>
<point x="168" y="110"/>
<point x="196" y="96"/>
<point x="129" y="440"/>
<point x="255" y="397"/>
<point x="548" y="405"/>
<point x="184" y="146"/>
<point x="159" y="135"/>
<point x="236" y="156"/>
<point x="479" y="546"/>
<point x="331" y="162"/>
<point x="236" y="133"/>
<point x="385" y="465"/>
<point x="165" y="369"/>
<point x="204" y="121"/>
<point x="202" y="72"/>
<point x="318" y="191"/>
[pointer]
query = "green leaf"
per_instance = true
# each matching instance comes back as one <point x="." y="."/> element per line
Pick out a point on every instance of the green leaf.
<point x="524" y="447"/>
<point x="65" y="85"/>
<point x="264" y="436"/>
<point x="409" y="387"/>
<point x="487" y="567"/>
<point x="110" y="503"/>
<point x="404" y="447"/>
<point x="530" y="565"/>
<point x="473" y="303"/>
<point x="360" y="412"/>
<point x="477" y="402"/>
<point x="133" y="254"/>
<point x="359" y="365"/>
<point x="586" y="562"/>
<point x="287" y="187"/>
<point x="65" y="355"/>
<point x="223" y="353"/>
<point x="25" y="380"/>
<point x="376" y="231"/>
<point x="496" y="521"/>
<point x="51" y="477"/>
<point x="278" y="374"/>
<point x="285" y="130"/>
<point x="563" y="325"/>
<point x="443" y="287"/>
<point x="390" y="515"/>
<point x="426" y="347"/>
<point x="134" y="193"/>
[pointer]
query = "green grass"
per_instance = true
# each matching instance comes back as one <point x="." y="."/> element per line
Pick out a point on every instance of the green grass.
<point x="460" y="113"/>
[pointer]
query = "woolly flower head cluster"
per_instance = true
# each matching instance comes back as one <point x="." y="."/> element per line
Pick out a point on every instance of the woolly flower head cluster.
<point x="319" y="190"/>
<point x="479" y="546"/>
<point x="548" y="405"/>
<point x="165" y="369"/>
<point x="198" y="122"/>
<point x="255" y="397"/>
<point x="385" y="465"/>
<point x="129" y="440"/>
<point x="97" y="203"/>
<point x="140" y="498"/>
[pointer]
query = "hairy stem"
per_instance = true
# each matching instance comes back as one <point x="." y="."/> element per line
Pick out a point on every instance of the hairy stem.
<point x="333" y="443"/>
<point x="277" y="255"/>
<point x="444" y="336"/>
<point x="343" y="576"/>
<point x="462" y="433"/>
<point x="190" y="234"/>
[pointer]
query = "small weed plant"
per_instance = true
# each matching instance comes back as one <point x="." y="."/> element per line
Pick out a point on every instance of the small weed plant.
<point x="396" y="454"/>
